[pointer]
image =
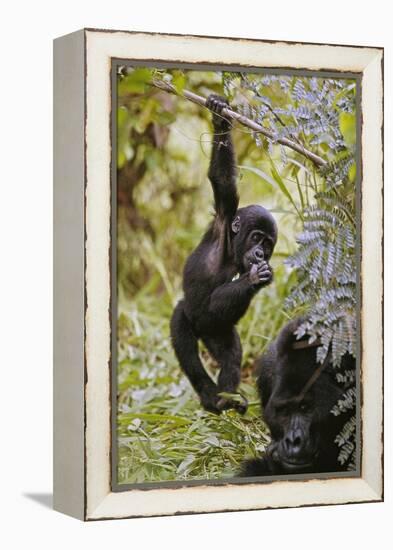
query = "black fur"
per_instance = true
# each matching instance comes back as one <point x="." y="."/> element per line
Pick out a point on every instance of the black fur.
<point x="239" y="242"/>
<point x="301" y="424"/>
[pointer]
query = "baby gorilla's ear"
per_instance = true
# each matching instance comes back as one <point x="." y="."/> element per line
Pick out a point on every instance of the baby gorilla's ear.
<point x="236" y="225"/>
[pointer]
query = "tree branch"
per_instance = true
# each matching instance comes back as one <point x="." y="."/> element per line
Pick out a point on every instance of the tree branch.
<point x="199" y="100"/>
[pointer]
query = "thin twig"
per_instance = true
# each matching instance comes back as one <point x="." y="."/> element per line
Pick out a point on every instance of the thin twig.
<point x="199" y="100"/>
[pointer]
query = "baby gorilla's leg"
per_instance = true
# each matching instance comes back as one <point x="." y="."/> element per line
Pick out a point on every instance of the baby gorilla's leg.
<point x="227" y="351"/>
<point x="185" y="345"/>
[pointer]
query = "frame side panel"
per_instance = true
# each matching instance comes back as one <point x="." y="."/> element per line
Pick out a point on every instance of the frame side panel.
<point x="68" y="242"/>
<point x="372" y="274"/>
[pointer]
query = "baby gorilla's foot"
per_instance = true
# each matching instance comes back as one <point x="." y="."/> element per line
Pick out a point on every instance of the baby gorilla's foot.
<point x="217" y="402"/>
<point x="209" y="400"/>
<point x="232" y="401"/>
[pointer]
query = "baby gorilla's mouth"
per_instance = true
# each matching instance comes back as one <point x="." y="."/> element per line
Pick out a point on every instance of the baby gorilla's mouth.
<point x="248" y="261"/>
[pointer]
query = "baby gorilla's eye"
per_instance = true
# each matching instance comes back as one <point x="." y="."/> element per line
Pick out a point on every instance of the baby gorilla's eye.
<point x="256" y="238"/>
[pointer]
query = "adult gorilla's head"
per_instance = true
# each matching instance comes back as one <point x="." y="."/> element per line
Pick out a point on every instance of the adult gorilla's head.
<point x="297" y="396"/>
<point x="254" y="236"/>
<point x="298" y="411"/>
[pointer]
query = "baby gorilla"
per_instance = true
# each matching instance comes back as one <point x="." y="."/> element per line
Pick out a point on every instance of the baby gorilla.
<point x="297" y="395"/>
<point x="221" y="276"/>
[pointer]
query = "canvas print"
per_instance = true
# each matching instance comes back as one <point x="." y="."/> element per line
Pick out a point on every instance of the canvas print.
<point x="236" y="274"/>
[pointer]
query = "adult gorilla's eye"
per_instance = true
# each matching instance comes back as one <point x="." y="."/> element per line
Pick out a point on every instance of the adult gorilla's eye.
<point x="281" y="409"/>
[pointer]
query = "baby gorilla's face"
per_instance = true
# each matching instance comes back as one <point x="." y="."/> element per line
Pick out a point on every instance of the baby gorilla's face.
<point x="254" y="233"/>
<point x="258" y="249"/>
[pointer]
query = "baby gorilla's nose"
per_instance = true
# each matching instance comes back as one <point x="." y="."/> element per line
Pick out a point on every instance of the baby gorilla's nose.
<point x="258" y="254"/>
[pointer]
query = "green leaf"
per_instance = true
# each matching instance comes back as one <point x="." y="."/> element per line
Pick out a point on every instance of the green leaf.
<point x="347" y="122"/>
<point x="135" y="82"/>
<point x="121" y="159"/>
<point x="166" y="117"/>
<point x="280" y="182"/>
<point x="178" y="420"/>
<point x="299" y="165"/>
<point x="259" y="173"/>
<point x="122" y="116"/>
<point x="232" y="396"/>
<point x="179" y="81"/>
<point x="183" y="466"/>
<point x="352" y="173"/>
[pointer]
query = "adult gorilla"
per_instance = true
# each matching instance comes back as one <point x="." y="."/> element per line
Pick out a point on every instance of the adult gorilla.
<point x="297" y="396"/>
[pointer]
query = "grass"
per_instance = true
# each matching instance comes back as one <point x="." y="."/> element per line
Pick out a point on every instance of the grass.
<point x="163" y="433"/>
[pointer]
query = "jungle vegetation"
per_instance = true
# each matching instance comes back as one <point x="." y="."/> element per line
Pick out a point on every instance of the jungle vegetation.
<point x="164" y="205"/>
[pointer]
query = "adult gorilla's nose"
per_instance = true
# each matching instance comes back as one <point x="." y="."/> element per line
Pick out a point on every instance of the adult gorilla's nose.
<point x="294" y="442"/>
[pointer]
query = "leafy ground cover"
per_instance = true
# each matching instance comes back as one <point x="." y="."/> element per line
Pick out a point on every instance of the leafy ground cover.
<point x="163" y="434"/>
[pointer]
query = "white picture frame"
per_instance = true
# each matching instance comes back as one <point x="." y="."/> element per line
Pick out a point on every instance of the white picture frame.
<point x="82" y="258"/>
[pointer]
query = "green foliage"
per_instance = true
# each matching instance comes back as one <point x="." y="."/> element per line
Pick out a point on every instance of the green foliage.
<point x="320" y="114"/>
<point x="326" y="264"/>
<point x="164" y="205"/>
<point x="348" y="128"/>
<point x="163" y="434"/>
<point x="135" y="82"/>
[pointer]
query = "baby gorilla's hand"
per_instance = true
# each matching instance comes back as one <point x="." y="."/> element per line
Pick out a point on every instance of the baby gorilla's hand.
<point x="261" y="274"/>
<point x="216" y="104"/>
